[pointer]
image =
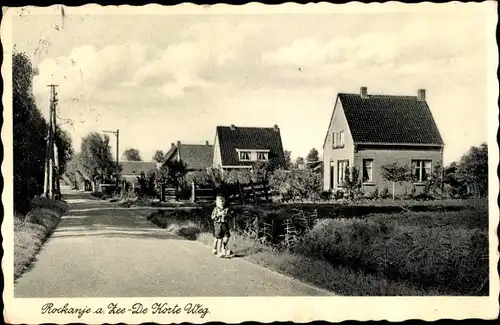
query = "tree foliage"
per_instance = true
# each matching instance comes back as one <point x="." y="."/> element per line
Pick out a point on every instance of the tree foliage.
<point x="131" y="154"/>
<point x="296" y="184"/>
<point x="312" y="158"/>
<point x="29" y="136"/>
<point x="396" y="174"/>
<point x="159" y="156"/>
<point x="473" y="170"/>
<point x="96" y="158"/>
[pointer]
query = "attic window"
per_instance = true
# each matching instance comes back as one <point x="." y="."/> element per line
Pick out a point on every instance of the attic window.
<point x="245" y="155"/>
<point x="262" y="156"/>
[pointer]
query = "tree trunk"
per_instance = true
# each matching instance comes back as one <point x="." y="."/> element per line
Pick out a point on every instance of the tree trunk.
<point x="393" y="190"/>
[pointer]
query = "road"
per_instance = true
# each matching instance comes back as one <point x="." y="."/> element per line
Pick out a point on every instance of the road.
<point x="102" y="250"/>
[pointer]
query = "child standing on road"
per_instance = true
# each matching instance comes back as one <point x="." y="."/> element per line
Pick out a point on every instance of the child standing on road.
<point x="220" y="216"/>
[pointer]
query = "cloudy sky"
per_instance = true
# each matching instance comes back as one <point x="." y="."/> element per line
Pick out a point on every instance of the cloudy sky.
<point x="160" y="78"/>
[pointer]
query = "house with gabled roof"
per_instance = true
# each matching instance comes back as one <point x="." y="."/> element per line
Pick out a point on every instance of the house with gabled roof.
<point x="131" y="170"/>
<point x="197" y="157"/>
<point x="241" y="147"/>
<point x="369" y="131"/>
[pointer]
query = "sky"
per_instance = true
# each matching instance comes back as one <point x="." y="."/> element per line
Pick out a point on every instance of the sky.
<point x="162" y="78"/>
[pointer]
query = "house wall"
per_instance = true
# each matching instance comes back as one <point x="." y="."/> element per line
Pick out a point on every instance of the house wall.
<point x="332" y="155"/>
<point x="217" y="162"/>
<point x="402" y="156"/>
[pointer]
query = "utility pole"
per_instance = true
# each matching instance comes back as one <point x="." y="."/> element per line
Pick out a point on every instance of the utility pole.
<point x="51" y="182"/>
<point x="117" y="134"/>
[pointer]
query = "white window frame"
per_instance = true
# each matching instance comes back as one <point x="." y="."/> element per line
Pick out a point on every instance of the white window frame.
<point x="369" y="169"/>
<point x="341" y="139"/>
<point x="248" y="153"/>
<point x="265" y="156"/>
<point x="418" y="166"/>
<point x="342" y="165"/>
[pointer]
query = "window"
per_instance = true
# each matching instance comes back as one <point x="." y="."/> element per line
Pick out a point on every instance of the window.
<point x="341" y="139"/>
<point x="342" y="165"/>
<point x="244" y="155"/>
<point x="368" y="170"/>
<point x="262" y="156"/>
<point x="420" y="170"/>
<point x="332" y="171"/>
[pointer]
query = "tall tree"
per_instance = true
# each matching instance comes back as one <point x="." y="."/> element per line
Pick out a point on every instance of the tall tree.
<point x="64" y="147"/>
<point x="473" y="170"/>
<point x="97" y="160"/>
<point x="159" y="156"/>
<point x="312" y="158"/>
<point x="131" y="154"/>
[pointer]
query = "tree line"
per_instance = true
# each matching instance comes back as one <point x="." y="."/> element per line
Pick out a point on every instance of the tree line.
<point x="30" y="137"/>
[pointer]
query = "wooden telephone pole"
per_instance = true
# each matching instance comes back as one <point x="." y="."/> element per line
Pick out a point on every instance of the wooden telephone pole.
<point x="117" y="134"/>
<point x="51" y="182"/>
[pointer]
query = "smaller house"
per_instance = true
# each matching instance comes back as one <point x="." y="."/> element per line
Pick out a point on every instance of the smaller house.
<point x="241" y="147"/>
<point x="131" y="170"/>
<point x="197" y="157"/>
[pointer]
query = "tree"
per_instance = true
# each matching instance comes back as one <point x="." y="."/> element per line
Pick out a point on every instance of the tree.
<point x="299" y="162"/>
<point x="29" y="136"/>
<point x="395" y="174"/>
<point x="64" y="147"/>
<point x="352" y="182"/>
<point x="172" y="173"/>
<point x="131" y="154"/>
<point x="312" y="158"/>
<point x="288" y="160"/>
<point x="473" y="170"/>
<point x="96" y="158"/>
<point x="452" y="179"/>
<point x="159" y="156"/>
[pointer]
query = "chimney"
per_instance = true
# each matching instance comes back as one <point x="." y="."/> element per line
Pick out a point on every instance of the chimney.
<point x="276" y="128"/>
<point x="206" y="143"/>
<point x="364" y="92"/>
<point x="178" y="143"/>
<point x="172" y="145"/>
<point x="421" y="95"/>
<point x="233" y="127"/>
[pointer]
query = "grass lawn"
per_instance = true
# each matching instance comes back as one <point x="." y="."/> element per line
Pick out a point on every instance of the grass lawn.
<point x="30" y="231"/>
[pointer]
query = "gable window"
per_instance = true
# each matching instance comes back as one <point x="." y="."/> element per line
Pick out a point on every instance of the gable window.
<point x="421" y="170"/>
<point x="342" y="165"/>
<point x="244" y="155"/>
<point x="341" y="138"/>
<point x="262" y="156"/>
<point x="368" y="170"/>
<point x="334" y="139"/>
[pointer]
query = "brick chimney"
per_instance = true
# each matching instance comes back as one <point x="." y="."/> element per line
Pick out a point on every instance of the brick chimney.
<point x="364" y="92"/>
<point x="421" y="95"/>
<point x="276" y="128"/>
<point x="172" y="145"/>
<point x="206" y="143"/>
<point x="178" y="143"/>
<point x="233" y="127"/>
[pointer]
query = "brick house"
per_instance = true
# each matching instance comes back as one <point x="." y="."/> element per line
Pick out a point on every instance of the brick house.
<point x="241" y="147"/>
<point x="369" y="131"/>
<point x="197" y="157"/>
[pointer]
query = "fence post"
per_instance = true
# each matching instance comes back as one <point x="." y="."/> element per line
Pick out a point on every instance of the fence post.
<point x="253" y="192"/>
<point x="193" y="192"/>
<point x="241" y="192"/>
<point x="162" y="192"/>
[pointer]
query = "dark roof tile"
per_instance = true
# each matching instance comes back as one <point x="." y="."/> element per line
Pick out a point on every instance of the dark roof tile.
<point x="390" y="119"/>
<point x="193" y="155"/>
<point x="248" y="138"/>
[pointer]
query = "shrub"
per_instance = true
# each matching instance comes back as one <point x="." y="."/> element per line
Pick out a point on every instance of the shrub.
<point x="385" y="193"/>
<point x="296" y="184"/>
<point x="326" y="195"/>
<point x="454" y="260"/>
<point x="200" y="178"/>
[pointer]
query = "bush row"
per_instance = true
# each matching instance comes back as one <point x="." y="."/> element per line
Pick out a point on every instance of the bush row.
<point x="452" y="259"/>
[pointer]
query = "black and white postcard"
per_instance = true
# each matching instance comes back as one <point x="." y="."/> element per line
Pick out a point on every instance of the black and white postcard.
<point x="262" y="163"/>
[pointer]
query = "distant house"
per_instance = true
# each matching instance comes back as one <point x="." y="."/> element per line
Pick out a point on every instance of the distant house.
<point x="197" y="157"/>
<point x="131" y="170"/>
<point x="369" y="131"/>
<point x="241" y="147"/>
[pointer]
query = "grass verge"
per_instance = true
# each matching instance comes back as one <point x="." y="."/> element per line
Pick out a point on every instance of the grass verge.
<point x="31" y="231"/>
<point x="339" y="279"/>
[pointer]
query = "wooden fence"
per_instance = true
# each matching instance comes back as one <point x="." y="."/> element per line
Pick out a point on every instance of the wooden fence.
<point x="234" y="193"/>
